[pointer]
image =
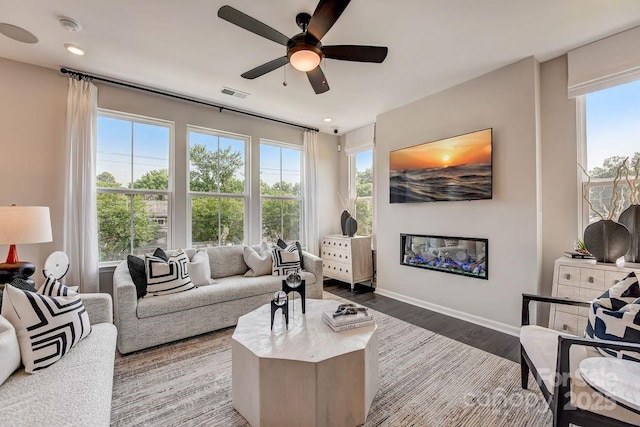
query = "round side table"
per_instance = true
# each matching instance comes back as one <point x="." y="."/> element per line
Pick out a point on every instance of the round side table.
<point x="616" y="379"/>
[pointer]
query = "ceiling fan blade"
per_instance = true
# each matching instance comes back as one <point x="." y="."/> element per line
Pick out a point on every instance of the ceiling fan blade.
<point x="318" y="80"/>
<point x="266" y="68"/>
<point x="251" y="24"/>
<point x="326" y="14"/>
<point x="357" y="53"/>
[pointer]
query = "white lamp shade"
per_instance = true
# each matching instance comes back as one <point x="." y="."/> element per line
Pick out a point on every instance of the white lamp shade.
<point x="24" y="224"/>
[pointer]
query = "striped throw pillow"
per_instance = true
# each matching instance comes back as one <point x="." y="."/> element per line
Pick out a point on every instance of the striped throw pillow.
<point x="53" y="288"/>
<point x="285" y="260"/>
<point x="167" y="277"/>
<point x="47" y="327"/>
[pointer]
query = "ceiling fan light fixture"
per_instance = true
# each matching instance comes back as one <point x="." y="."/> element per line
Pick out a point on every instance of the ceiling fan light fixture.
<point x="304" y="60"/>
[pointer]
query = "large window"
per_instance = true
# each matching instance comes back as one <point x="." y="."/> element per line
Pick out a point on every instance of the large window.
<point x="217" y="187"/>
<point x="280" y="191"/>
<point x="612" y="134"/>
<point x="133" y="184"/>
<point x="361" y="167"/>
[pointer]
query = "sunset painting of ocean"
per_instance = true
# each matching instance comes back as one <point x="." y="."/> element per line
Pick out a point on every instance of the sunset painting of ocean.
<point x="457" y="168"/>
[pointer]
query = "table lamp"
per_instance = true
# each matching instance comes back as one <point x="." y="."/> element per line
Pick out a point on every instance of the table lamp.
<point x="22" y="225"/>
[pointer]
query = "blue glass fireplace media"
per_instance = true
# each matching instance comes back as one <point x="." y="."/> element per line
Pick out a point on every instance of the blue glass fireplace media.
<point x="457" y="255"/>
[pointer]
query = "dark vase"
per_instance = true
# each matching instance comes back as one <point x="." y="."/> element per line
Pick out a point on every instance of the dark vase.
<point x="351" y="226"/>
<point x="343" y="221"/>
<point x="607" y="240"/>
<point x="630" y="218"/>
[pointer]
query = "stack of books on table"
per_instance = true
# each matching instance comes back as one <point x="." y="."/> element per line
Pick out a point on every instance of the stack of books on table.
<point x="347" y="321"/>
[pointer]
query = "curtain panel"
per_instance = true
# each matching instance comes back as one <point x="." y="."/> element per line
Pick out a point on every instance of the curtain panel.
<point x="80" y="212"/>
<point x="311" y="217"/>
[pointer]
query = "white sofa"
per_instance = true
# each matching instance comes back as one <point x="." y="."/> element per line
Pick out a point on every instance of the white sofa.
<point x="151" y="321"/>
<point x="75" y="391"/>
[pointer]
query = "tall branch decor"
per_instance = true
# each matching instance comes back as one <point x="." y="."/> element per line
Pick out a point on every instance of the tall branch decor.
<point x="606" y="239"/>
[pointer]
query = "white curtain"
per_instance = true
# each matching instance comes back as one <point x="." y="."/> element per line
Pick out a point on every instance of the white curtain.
<point x="80" y="212"/>
<point x="312" y="224"/>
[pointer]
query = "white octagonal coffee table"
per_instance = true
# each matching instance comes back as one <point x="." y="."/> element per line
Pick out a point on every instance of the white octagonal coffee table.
<point x="305" y="376"/>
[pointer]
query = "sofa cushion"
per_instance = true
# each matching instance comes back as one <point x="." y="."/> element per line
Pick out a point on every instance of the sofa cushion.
<point x="226" y="261"/>
<point x="47" y="327"/>
<point x="227" y="289"/>
<point x="541" y="345"/>
<point x="285" y="260"/>
<point x="9" y="350"/>
<point x="200" y="269"/>
<point x="258" y="261"/>
<point x="167" y="277"/>
<point x="76" y="391"/>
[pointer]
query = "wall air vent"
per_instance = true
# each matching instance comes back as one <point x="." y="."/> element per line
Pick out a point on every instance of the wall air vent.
<point x="234" y="92"/>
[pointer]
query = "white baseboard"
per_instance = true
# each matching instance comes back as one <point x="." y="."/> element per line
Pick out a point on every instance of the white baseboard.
<point x="488" y="323"/>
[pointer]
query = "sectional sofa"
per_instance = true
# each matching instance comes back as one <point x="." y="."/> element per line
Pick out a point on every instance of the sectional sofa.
<point x="150" y="321"/>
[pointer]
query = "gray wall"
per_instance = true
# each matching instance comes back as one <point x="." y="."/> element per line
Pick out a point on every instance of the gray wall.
<point x="506" y="100"/>
<point x="560" y="169"/>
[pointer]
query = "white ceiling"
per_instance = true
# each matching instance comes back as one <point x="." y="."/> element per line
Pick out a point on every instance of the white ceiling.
<point x="183" y="47"/>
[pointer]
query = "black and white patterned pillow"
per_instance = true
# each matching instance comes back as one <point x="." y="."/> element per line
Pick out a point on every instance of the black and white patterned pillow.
<point x="283" y="245"/>
<point x="53" y="288"/>
<point x="47" y="327"/>
<point x="615" y="316"/>
<point x="167" y="277"/>
<point x="285" y="260"/>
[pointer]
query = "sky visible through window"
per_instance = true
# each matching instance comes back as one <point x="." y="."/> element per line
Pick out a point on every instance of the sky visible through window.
<point x="150" y="148"/>
<point x="364" y="159"/>
<point x="613" y="123"/>
<point x="151" y="152"/>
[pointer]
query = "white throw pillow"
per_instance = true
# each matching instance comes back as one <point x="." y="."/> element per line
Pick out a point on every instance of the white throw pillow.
<point x="167" y="277"/>
<point x="47" y="327"/>
<point x="9" y="350"/>
<point x="200" y="269"/>
<point x="259" y="263"/>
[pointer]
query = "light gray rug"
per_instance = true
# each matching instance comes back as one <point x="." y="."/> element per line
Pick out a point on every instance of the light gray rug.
<point x="425" y="380"/>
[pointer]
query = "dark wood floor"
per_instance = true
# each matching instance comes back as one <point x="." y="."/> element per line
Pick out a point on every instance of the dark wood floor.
<point x="486" y="339"/>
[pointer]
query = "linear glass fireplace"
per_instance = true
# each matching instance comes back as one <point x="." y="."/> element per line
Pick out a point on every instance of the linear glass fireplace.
<point x="466" y="256"/>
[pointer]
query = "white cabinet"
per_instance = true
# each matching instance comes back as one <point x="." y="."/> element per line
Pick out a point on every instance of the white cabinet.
<point x="347" y="259"/>
<point x="584" y="280"/>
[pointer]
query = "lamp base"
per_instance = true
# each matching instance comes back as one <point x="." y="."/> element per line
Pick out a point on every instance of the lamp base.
<point x="17" y="270"/>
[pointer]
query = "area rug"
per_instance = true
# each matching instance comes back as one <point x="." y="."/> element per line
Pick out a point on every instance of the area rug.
<point x="425" y="380"/>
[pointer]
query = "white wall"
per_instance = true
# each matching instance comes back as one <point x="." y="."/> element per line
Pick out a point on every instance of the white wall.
<point x="33" y="102"/>
<point x="32" y="122"/>
<point x="506" y="100"/>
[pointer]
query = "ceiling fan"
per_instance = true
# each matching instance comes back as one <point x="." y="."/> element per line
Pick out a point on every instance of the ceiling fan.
<point x="304" y="50"/>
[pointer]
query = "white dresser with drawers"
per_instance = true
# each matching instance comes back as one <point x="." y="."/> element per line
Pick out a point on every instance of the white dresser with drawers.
<point x="584" y="280"/>
<point x="347" y="259"/>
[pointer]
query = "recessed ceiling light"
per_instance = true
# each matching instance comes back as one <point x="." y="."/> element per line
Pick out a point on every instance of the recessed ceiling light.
<point x="74" y="48"/>
<point x="17" y="33"/>
<point x="327" y="119"/>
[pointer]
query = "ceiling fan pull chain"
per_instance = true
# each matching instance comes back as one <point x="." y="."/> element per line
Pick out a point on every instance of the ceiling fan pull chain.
<point x="284" y="83"/>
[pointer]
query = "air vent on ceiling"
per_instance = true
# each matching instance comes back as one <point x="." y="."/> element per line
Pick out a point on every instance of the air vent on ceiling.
<point x="234" y="92"/>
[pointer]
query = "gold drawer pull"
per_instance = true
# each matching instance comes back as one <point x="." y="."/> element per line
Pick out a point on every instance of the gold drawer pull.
<point x="567" y="276"/>
<point x="590" y="279"/>
<point x="616" y="281"/>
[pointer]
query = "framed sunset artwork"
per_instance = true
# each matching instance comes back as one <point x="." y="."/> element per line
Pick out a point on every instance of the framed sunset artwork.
<point x="451" y="169"/>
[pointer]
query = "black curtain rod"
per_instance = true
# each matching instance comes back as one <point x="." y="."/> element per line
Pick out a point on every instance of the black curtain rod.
<point x="81" y="75"/>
